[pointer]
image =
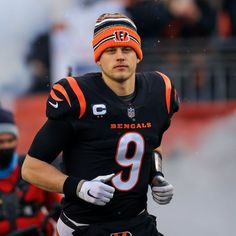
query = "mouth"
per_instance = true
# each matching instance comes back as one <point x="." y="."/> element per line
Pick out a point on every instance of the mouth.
<point x="120" y="67"/>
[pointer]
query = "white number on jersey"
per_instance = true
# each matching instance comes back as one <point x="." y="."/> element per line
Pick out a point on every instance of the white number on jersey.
<point x="134" y="162"/>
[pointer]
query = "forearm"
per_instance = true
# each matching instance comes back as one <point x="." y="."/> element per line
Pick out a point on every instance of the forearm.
<point x="158" y="149"/>
<point x="43" y="175"/>
<point x="47" y="177"/>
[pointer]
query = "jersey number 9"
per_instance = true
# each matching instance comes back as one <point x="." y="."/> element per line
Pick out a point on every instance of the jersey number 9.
<point x="134" y="162"/>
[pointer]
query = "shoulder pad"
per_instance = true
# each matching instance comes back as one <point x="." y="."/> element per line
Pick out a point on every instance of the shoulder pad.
<point x="66" y="100"/>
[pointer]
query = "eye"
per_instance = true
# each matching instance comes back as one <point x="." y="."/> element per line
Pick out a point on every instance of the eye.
<point x="110" y="50"/>
<point x="7" y="140"/>
<point x="127" y="49"/>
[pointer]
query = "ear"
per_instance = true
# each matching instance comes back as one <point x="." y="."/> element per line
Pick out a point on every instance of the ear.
<point x="138" y="60"/>
<point x="98" y="63"/>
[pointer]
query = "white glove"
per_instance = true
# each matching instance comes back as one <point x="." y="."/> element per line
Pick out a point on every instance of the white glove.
<point x="96" y="191"/>
<point x="162" y="191"/>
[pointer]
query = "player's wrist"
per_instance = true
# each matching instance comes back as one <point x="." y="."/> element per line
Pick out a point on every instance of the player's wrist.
<point x="159" y="173"/>
<point x="71" y="186"/>
<point x="158" y="164"/>
<point x="79" y="186"/>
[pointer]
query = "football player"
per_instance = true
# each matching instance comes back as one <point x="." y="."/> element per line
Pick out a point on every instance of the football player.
<point x="109" y="127"/>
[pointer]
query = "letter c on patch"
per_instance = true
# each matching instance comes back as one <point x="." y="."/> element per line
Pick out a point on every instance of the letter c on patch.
<point x="99" y="109"/>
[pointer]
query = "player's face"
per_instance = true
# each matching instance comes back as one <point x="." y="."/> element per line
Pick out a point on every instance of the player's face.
<point x="7" y="141"/>
<point x="118" y="63"/>
<point x="7" y="148"/>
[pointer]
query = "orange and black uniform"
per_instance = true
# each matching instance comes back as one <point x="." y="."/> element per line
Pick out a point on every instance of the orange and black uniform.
<point x="99" y="134"/>
<point x="21" y="205"/>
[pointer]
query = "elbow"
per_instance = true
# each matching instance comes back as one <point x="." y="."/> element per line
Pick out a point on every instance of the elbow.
<point x="25" y="170"/>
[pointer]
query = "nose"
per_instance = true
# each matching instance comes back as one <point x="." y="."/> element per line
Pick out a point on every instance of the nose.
<point x="119" y="54"/>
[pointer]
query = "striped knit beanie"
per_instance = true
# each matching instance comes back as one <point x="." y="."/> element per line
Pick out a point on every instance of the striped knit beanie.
<point x="115" y="30"/>
<point x="7" y="123"/>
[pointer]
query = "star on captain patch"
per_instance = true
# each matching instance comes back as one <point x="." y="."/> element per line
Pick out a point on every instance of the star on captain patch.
<point x="131" y="112"/>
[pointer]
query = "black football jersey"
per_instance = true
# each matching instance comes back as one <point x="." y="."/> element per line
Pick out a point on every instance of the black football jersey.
<point x="111" y="136"/>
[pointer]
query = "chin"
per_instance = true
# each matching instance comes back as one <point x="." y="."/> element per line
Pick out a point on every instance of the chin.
<point x="121" y="78"/>
<point x="123" y="75"/>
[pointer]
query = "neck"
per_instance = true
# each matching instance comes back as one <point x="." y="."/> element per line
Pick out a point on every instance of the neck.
<point x="120" y="87"/>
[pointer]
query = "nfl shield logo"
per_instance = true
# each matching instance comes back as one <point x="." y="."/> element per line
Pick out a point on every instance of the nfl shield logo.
<point x="131" y="112"/>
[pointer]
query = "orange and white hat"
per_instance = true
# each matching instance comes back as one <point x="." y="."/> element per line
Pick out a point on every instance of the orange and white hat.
<point x="115" y="30"/>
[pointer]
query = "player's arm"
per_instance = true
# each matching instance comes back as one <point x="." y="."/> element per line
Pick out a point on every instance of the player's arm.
<point x="162" y="191"/>
<point x="43" y="174"/>
<point x="37" y="168"/>
<point x="46" y="146"/>
<point x="54" y="137"/>
<point x="50" y="140"/>
<point x="47" y="177"/>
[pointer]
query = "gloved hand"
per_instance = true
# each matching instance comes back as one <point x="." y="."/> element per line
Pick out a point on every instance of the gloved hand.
<point x="96" y="191"/>
<point x="162" y="191"/>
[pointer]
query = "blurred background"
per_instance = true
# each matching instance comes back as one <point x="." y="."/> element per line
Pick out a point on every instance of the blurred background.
<point x="191" y="41"/>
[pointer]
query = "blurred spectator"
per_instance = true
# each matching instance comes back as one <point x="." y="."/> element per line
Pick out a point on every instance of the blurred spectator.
<point x="173" y="18"/>
<point x="196" y="17"/>
<point x="71" y="38"/>
<point x="22" y="205"/>
<point x="151" y="17"/>
<point x="178" y="19"/>
<point x="39" y="61"/>
<point x="23" y="20"/>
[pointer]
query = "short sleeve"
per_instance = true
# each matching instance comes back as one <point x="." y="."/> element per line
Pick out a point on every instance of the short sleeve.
<point x="58" y="103"/>
<point x="171" y="96"/>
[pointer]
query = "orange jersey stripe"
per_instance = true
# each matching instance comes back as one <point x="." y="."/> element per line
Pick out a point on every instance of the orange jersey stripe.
<point x="168" y="89"/>
<point x="78" y="92"/>
<point x="55" y="97"/>
<point x="61" y="89"/>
